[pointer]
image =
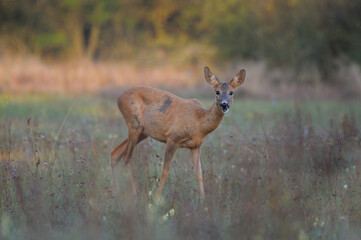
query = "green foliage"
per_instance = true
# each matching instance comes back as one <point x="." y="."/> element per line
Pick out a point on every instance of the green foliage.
<point x="47" y="40"/>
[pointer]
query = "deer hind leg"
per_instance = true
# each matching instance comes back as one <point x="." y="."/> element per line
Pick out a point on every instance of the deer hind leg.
<point x="170" y="149"/>
<point x="133" y="139"/>
<point x="198" y="169"/>
<point x="116" y="155"/>
<point x="118" y="152"/>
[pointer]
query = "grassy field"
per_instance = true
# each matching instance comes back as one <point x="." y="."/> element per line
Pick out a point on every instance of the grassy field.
<point x="272" y="170"/>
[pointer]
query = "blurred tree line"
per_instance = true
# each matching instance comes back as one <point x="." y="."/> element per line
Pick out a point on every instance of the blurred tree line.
<point x="297" y="34"/>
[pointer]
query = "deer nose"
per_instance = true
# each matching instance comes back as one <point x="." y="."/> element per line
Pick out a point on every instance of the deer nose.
<point x="224" y="103"/>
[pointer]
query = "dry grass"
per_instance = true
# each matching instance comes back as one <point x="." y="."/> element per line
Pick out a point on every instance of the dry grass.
<point x="31" y="75"/>
<point x="271" y="171"/>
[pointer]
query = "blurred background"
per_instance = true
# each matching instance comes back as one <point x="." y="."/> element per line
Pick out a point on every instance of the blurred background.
<point x="288" y="47"/>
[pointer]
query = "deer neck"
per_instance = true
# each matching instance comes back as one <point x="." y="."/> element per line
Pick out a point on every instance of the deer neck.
<point x="211" y="119"/>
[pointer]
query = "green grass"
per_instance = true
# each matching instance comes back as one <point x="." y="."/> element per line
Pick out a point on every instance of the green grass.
<point x="272" y="170"/>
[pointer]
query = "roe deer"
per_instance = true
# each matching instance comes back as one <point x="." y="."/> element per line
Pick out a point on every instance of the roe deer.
<point x="177" y="122"/>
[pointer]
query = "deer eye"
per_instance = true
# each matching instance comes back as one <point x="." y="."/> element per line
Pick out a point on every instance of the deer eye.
<point x="217" y="92"/>
<point x="231" y="93"/>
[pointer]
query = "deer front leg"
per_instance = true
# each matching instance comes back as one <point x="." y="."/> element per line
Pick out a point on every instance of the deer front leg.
<point x="198" y="169"/>
<point x="170" y="149"/>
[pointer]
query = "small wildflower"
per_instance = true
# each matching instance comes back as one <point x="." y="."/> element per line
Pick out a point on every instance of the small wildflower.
<point x="6" y="166"/>
<point x="150" y="193"/>
<point x="171" y="212"/>
<point x="302" y="235"/>
<point x="322" y="224"/>
<point x="42" y="137"/>
<point x="316" y="219"/>
<point x="45" y="163"/>
<point x="165" y="217"/>
<point x="345" y="186"/>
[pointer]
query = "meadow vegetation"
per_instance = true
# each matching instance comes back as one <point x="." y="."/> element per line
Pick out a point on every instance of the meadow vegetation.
<point x="272" y="170"/>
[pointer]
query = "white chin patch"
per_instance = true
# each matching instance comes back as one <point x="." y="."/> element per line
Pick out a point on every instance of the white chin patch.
<point x="225" y="111"/>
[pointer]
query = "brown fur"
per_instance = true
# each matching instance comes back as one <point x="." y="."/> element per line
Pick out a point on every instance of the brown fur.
<point x="178" y="122"/>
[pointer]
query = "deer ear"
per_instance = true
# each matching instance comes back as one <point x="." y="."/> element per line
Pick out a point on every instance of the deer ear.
<point x="210" y="77"/>
<point x="238" y="79"/>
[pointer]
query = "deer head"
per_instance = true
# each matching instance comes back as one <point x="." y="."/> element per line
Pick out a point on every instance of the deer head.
<point x="224" y="91"/>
